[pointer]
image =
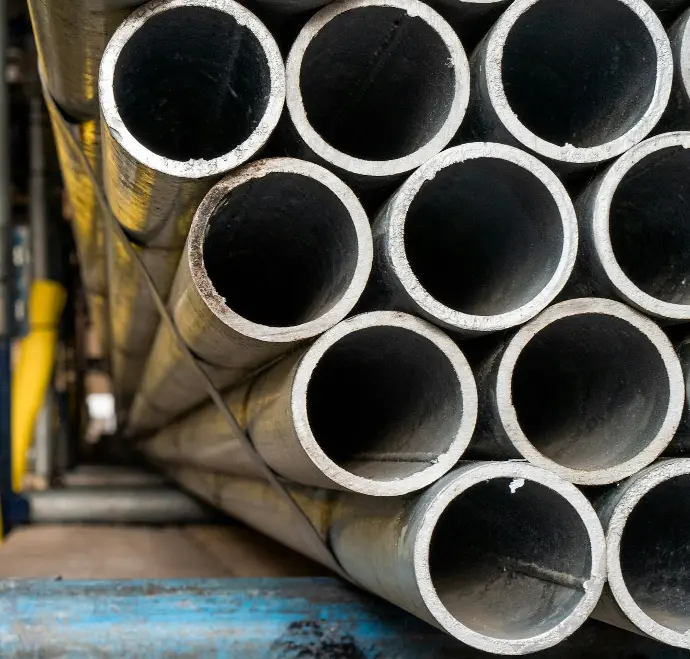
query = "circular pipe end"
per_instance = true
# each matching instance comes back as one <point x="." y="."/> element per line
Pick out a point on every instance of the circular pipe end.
<point x="481" y="263"/>
<point x="648" y="551"/>
<point x="617" y="50"/>
<point x="191" y="88"/>
<point x="384" y="404"/>
<point x="647" y="261"/>
<point x="295" y="236"/>
<point x="509" y="558"/>
<point x="377" y="87"/>
<point x="590" y="390"/>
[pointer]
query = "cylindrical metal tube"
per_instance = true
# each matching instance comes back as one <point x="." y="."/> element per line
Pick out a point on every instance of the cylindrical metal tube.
<point x="677" y="116"/>
<point x="576" y="83"/>
<point x="635" y="237"/>
<point x="70" y="38"/>
<point x="189" y="90"/>
<point x="102" y="505"/>
<point x="298" y="240"/>
<point x="480" y="238"/>
<point x="506" y="557"/>
<point x="375" y="88"/>
<point x="382" y="404"/>
<point x="87" y="220"/>
<point x="590" y="389"/>
<point x="647" y="522"/>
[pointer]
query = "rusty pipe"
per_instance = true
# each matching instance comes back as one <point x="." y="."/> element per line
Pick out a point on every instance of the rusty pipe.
<point x="299" y="241"/>
<point x="474" y="263"/>
<point x="506" y="557"/>
<point x="590" y="389"/>
<point x="382" y="404"/>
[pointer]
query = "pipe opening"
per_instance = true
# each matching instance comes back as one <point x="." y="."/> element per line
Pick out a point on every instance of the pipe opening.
<point x="376" y="83"/>
<point x="655" y="553"/>
<point x="590" y="391"/>
<point x="384" y="403"/>
<point x="649" y="225"/>
<point x="484" y="254"/>
<point x="281" y="249"/>
<point x="192" y="83"/>
<point x="509" y="558"/>
<point x="580" y="73"/>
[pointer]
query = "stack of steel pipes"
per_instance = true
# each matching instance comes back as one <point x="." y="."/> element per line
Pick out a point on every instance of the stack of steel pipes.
<point x="437" y="261"/>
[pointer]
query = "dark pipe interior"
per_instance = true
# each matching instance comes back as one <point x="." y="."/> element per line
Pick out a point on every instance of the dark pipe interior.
<point x="509" y="558"/>
<point x="655" y="554"/>
<point x="580" y="73"/>
<point x="649" y="224"/>
<point x="281" y="249"/>
<point x="376" y="83"/>
<point x="384" y="403"/>
<point x="590" y="391"/>
<point x="484" y="236"/>
<point x="192" y="83"/>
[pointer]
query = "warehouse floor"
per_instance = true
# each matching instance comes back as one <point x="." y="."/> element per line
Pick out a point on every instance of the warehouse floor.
<point x="131" y="552"/>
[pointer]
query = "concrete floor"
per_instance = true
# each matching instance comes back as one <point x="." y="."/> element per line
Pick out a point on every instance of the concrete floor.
<point x="131" y="552"/>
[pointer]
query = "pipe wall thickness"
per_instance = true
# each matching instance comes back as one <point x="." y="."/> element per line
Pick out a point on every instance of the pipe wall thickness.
<point x="375" y="88"/>
<point x="411" y="387"/>
<point x="576" y="83"/>
<point x="299" y="241"/>
<point x="189" y="90"/>
<point x="590" y="390"/>
<point x="527" y="573"/>
<point x="647" y="522"/>
<point x="634" y="227"/>
<point x="474" y="263"/>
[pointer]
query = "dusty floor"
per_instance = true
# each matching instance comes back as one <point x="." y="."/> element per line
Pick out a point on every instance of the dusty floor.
<point x="130" y="552"/>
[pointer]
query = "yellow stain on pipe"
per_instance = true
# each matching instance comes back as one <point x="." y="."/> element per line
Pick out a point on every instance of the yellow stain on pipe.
<point x="32" y="374"/>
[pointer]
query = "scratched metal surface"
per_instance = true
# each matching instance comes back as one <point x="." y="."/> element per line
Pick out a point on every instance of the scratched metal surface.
<point x="250" y="618"/>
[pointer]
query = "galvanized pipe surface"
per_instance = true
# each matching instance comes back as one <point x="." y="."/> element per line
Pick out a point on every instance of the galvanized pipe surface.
<point x="647" y="522"/>
<point x="590" y="390"/>
<point x="576" y="83"/>
<point x="87" y="221"/>
<point x="382" y="404"/>
<point x="164" y="505"/>
<point x="677" y="116"/>
<point x="71" y="36"/>
<point x="375" y="88"/>
<point x="635" y="230"/>
<point x="480" y="238"/>
<point x="189" y="90"/>
<point x="298" y="240"/>
<point x="506" y="557"/>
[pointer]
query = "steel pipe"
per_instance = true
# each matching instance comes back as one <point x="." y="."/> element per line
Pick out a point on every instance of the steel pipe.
<point x="474" y="262"/>
<point x="505" y="557"/>
<point x="677" y="116"/>
<point x="189" y="90"/>
<point x="115" y="506"/>
<point x="382" y="404"/>
<point x="647" y="521"/>
<point x="576" y="83"/>
<point x="70" y="39"/>
<point x="635" y="237"/>
<point x="87" y="220"/>
<point x="375" y="88"/>
<point x="590" y="389"/>
<point x="298" y="240"/>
